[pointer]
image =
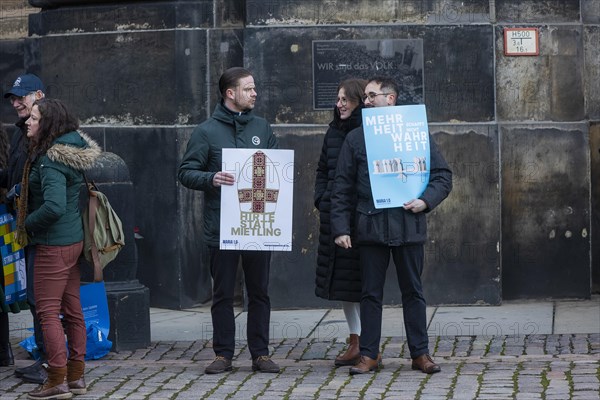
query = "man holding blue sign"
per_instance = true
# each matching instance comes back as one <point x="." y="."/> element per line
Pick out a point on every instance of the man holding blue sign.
<point x="399" y="230"/>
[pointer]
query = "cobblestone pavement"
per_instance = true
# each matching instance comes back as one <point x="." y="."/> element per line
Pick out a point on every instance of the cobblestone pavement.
<point x="473" y="367"/>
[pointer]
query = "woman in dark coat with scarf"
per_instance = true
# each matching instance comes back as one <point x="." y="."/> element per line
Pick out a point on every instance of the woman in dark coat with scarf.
<point x="338" y="269"/>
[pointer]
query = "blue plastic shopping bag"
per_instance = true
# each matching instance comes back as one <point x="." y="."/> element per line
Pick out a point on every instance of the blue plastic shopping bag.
<point x="97" y="320"/>
<point x="97" y="323"/>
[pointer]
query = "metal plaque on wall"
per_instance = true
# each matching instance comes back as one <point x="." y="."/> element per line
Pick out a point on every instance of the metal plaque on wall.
<point x="336" y="60"/>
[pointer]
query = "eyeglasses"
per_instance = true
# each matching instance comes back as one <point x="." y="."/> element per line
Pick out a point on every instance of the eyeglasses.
<point x="342" y="100"/>
<point x="371" y="96"/>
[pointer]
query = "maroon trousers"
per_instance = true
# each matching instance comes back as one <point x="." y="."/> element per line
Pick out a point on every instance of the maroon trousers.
<point x="56" y="289"/>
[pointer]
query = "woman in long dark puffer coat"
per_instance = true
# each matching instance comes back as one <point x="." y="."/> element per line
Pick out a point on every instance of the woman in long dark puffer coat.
<point x="338" y="269"/>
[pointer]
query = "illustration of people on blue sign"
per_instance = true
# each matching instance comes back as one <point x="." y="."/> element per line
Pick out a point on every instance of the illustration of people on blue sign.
<point x="397" y="142"/>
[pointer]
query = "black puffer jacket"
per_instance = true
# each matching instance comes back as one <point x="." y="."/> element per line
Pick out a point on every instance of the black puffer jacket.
<point x="13" y="173"/>
<point x="388" y="226"/>
<point x="338" y="270"/>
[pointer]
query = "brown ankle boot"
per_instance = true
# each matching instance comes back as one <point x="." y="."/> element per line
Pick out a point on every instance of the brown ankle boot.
<point x="352" y="354"/>
<point x="75" y="377"/>
<point x="55" y="386"/>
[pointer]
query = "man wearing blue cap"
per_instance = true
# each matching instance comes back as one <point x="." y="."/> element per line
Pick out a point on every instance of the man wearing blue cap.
<point x="25" y="91"/>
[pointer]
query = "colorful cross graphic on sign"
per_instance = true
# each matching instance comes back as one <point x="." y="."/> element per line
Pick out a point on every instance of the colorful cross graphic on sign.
<point x="258" y="194"/>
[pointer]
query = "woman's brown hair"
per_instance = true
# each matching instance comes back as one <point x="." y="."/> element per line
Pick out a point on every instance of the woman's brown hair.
<point x="354" y="89"/>
<point x="55" y="121"/>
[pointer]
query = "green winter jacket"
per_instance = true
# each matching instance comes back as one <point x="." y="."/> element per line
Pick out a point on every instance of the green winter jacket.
<point x="54" y="184"/>
<point x="202" y="159"/>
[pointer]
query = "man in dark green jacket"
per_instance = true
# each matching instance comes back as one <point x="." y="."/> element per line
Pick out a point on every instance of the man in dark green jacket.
<point x="232" y="125"/>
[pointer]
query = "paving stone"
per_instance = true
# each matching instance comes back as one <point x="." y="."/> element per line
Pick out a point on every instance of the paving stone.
<point x="586" y="395"/>
<point x="163" y="372"/>
<point x="528" y="396"/>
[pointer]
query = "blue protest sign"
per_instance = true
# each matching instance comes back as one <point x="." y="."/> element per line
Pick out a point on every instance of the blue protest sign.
<point x="397" y="143"/>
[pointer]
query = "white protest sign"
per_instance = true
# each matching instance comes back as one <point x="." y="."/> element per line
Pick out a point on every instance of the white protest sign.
<point x="256" y="211"/>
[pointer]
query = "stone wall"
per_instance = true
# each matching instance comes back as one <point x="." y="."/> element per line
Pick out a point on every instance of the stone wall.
<point x="13" y="31"/>
<point x="521" y="133"/>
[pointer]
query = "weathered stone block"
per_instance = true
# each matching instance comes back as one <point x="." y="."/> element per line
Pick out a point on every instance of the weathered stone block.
<point x="458" y="76"/>
<point x="114" y="83"/>
<point x="225" y="51"/>
<point x="189" y="78"/>
<point x="196" y="284"/>
<point x="595" y="180"/>
<point x="128" y="16"/>
<point x="294" y="272"/>
<point x="112" y="80"/>
<point x="11" y="66"/>
<point x="590" y="11"/>
<point x="316" y="12"/>
<point x="591" y="70"/>
<point x="129" y="310"/>
<point x="544" y="87"/>
<point x="229" y="14"/>
<point x="545" y="211"/>
<point x="65" y="3"/>
<point x="462" y="254"/>
<point x="534" y="11"/>
<point x="13" y="19"/>
<point x="123" y="17"/>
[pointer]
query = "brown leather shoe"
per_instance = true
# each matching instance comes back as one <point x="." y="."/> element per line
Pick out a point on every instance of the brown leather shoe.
<point x="219" y="365"/>
<point x="426" y="364"/>
<point x="75" y="377"/>
<point x="55" y="386"/>
<point x="352" y="354"/>
<point x="78" y="386"/>
<point x="366" y="365"/>
<point x="265" y="364"/>
<point x="47" y="392"/>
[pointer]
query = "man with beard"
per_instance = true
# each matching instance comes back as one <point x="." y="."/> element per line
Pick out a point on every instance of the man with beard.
<point x="400" y="232"/>
<point x="232" y="125"/>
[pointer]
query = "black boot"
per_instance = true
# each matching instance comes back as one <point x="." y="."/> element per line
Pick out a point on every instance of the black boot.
<point x="34" y="373"/>
<point x="6" y="354"/>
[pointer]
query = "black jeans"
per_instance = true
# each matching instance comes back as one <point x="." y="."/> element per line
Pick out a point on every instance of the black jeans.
<point x="409" y="266"/>
<point x="223" y="268"/>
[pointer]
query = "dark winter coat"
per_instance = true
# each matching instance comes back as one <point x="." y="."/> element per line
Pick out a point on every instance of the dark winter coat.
<point x="11" y="174"/>
<point x="17" y="156"/>
<point x="202" y="159"/>
<point x="338" y="269"/>
<point x="54" y="185"/>
<point x="388" y="226"/>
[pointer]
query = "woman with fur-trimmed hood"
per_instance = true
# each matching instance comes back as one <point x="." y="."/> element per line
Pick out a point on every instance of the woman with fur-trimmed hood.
<point x="49" y="218"/>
